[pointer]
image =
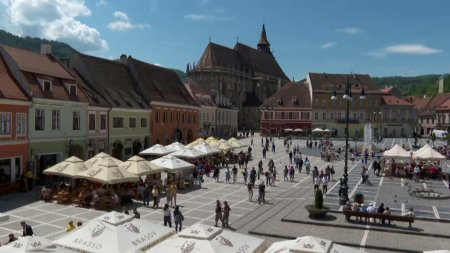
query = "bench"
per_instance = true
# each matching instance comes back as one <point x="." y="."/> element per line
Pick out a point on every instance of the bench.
<point x="348" y="214"/>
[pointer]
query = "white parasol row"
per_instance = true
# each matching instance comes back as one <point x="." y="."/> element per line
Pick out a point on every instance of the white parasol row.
<point x="67" y="168"/>
<point x="107" y="172"/>
<point x="189" y="153"/>
<point x="397" y="152"/>
<point x="309" y="244"/>
<point x="170" y="163"/>
<point x="156" y="149"/>
<point x="428" y="153"/>
<point x="139" y="166"/>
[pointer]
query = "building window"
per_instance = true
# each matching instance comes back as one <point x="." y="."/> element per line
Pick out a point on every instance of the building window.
<point x="56" y="119"/>
<point x="331" y="116"/>
<point x="143" y="122"/>
<point x="305" y="115"/>
<point x="102" y="121"/>
<point x="354" y="116"/>
<point x="5" y="123"/>
<point x="132" y="122"/>
<point x="76" y="120"/>
<point x="39" y="120"/>
<point x="324" y="116"/>
<point x="72" y="89"/>
<point x="316" y="115"/>
<point x="21" y="126"/>
<point x="157" y="116"/>
<point x="361" y="116"/>
<point x="46" y="85"/>
<point x="277" y="115"/>
<point x="339" y="116"/>
<point x="91" y="122"/>
<point x="164" y="117"/>
<point x="117" y="122"/>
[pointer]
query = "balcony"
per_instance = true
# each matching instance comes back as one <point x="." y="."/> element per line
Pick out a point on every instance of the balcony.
<point x="350" y="121"/>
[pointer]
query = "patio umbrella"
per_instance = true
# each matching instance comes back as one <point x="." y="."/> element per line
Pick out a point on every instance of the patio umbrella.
<point x="428" y="153"/>
<point x="114" y="232"/>
<point x="437" y="251"/>
<point x="156" y="149"/>
<point x="222" y="140"/>
<point x="190" y="153"/>
<point x="232" y="139"/>
<point x="213" y="143"/>
<point x="327" y="130"/>
<point x="211" y="138"/>
<point x="236" y="143"/>
<point x="397" y="152"/>
<point x="224" y="146"/>
<point x="67" y="168"/>
<point x="207" y="149"/>
<point x="108" y="172"/>
<point x="204" y="238"/>
<point x="298" y="130"/>
<point x="317" y="130"/>
<point x="175" y="146"/>
<point x="98" y="159"/>
<point x="138" y="166"/>
<point x="171" y="163"/>
<point x="288" y="130"/>
<point x="28" y="244"/>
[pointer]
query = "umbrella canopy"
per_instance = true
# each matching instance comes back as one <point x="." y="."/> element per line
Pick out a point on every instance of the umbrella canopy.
<point x="288" y="130"/>
<point x="309" y="244"/>
<point x="232" y="139"/>
<point x="138" y="166"/>
<point x="298" y="130"/>
<point x="211" y="138"/>
<point x="327" y="130"/>
<point x="437" y="251"/>
<point x="98" y="158"/>
<point x="114" y="233"/>
<point x="428" y="153"/>
<point x="67" y="168"/>
<point x="204" y="238"/>
<point x="175" y="146"/>
<point x="207" y="149"/>
<point x="156" y="149"/>
<point x="188" y="153"/>
<point x="317" y="130"/>
<point x="196" y="142"/>
<point x="397" y="152"/>
<point x="222" y="140"/>
<point x="28" y="244"/>
<point x="236" y="144"/>
<point x="171" y="163"/>
<point x="108" y="172"/>
<point x="224" y="146"/>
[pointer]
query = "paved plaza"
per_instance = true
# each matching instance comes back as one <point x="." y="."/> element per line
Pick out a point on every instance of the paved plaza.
<point x="283" y="217"/>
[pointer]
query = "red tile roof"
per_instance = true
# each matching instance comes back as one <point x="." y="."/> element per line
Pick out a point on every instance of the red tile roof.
<point x="9" y="88"/>
<point x="393" y="100"/>
<point x="330" y="82"/>
<point x="445" y="106"/>
<point x="290" y="95"/>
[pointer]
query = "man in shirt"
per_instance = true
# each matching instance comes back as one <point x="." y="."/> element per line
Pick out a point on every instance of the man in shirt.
<point x="26" y="229"/>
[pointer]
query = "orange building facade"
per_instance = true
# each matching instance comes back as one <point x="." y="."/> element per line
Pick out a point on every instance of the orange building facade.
<point x="172" y="122"/>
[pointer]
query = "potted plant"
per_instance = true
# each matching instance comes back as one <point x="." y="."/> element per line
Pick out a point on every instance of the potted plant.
<point x="318" y="210"/>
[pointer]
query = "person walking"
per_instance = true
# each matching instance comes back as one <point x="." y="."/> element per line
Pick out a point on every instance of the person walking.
<point x="235" y="172"/>
<point x="325" y="184"/>
<point x="155" y="194"/>
<point x="316" y="183"/>
<point x="253" y="176"/>
<point x="178" y="218"/>
<point x="227" y="176"/>
<point x="261" y="193"/>
<point x="250" y="191"/>
<point x="363" y="175"/>
<point x="146" y="196"/>
<point x="226" y="214"/>
<point x="291" y="174"/>
<point x="27" y="230"/>
<point x="173" y="193"/>
<point x="167" y="215"/>
<point x="285" y="173"/>
<point x="70" y="226"/>
<point x="218" y="213"/>
<point x="245" y="175"/>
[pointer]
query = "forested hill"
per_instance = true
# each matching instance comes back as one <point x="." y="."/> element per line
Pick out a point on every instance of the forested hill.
<point x="414" y="85"/>
<point x="61" y="50"/>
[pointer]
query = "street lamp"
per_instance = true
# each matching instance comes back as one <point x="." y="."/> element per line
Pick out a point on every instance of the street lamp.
<point x="378" y="116"/>
<point x="347" y="97"/>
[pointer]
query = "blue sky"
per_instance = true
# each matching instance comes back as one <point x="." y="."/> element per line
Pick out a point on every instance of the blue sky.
<point x="381" y="38"/>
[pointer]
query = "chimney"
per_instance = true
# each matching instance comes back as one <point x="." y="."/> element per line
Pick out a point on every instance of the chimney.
<point x="441" y="84"/>
<point x="46" y="49"/>
<point x="123" y="59"/>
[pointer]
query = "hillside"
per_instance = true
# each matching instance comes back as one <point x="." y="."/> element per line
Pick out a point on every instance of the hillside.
<point x="414" y="85"/>
<point x="61" y="50"/>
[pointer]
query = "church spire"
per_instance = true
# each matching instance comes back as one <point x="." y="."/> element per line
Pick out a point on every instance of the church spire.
<point x="263" y="44"/>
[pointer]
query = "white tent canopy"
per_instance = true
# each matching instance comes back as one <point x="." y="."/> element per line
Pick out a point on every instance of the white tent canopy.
<point x="224" y="146"/>
<point x="397" y="152"/>
<point x="34" y="244"/>
<point x="327" y="130"/>
<point x="208" y="239"/>
<point x="298" y="130"/>
<point x="114" y="232"/>
<point x="98" y="158"/>
<point x="67" y="168"/>
<point x="171" y="163"/>
<point x="188" y="153"/>
<point x="288" y="130"/>
<point x="156" y="149"/>
<point x="428" y="153"/>
<point x="207" y="149"/>
<point x="309" y="244"/>
<point x="139" y="166"/>
<point x="175" y="146"/>
<point x="317" y="130"/>
<point x="108" y="172"/>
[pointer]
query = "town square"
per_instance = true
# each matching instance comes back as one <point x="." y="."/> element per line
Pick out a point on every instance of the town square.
<point x="285" y="128"/>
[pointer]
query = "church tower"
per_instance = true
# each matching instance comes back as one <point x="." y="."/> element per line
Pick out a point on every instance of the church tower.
<point x="263" y="44"/>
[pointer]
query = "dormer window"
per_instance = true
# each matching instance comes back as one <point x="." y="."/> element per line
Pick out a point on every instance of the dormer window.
<point x="71" y="88"/>
<point x="46" y="85"/>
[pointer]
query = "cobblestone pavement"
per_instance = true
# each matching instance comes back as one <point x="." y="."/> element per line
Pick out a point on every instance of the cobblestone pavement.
<point x="49" y="219"/>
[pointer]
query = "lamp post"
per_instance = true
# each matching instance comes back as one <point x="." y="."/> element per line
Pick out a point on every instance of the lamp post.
<point x="347" y="97"/>
<point x="378" y="116"/>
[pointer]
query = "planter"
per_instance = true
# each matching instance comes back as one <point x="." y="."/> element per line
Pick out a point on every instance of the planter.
<point x="315" y="212"/>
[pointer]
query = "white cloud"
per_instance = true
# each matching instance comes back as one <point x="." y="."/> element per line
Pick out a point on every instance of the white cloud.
<point x="205" y="17"/>
<point x="102" y="2"/>
<point x="123" y="23"/>
<point x="54" y="20"/>
<point x="414" y="49"/>
<point x="328" y="45"/>
<point x="351" y="30"/>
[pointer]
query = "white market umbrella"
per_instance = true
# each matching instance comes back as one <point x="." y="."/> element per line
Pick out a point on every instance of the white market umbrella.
<point x="288" y="130"/>
<point x="437" y="251"/>
<point x="207" y="149"/>
<point x="327" y="130"/>
<point x="138" y="166"/>
<point x="211" y="138"/>
<point x="175" y="146"/>
<point x="171" y="163"/>
<point x="428" y="153"/>
<point x="317" y="130"/>
<point x="156" y="149"/>
<point x="397" y="152"/>
<point x="224" y="146"/>
<point x="234" y="144"/>
<point x="309" y="244"/>
<point x="222" y="140"/>
<point x="98" y="158"/>
<point x="298" y="130"/>
<point x="190" y="153"/>
<point x="28" y="244"/>
<point x="204" y="238"/>
<point x="232" y="139"/>
<point x="108" y="172"/>
<point x="67" y="168"/>
<point x="114" y="232"/>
